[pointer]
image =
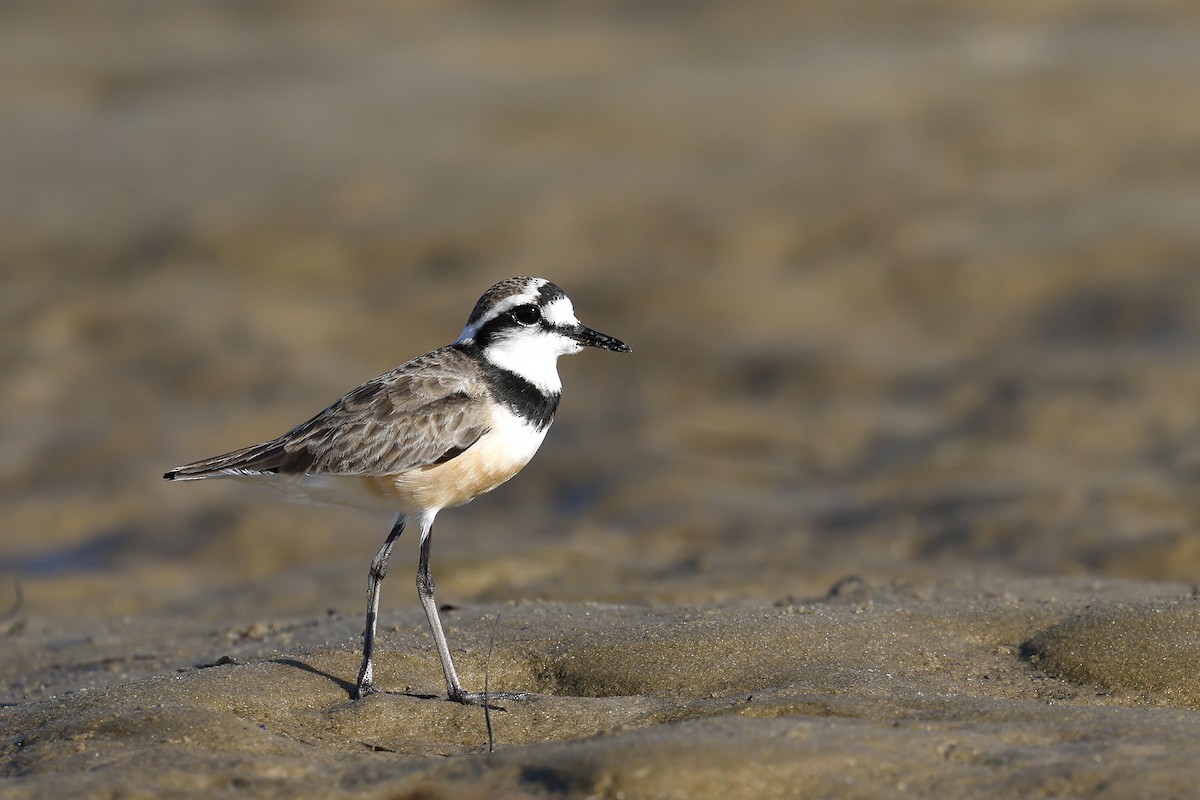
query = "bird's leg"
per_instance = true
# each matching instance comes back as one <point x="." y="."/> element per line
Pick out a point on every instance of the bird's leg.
<point x="425" y="592"/>
<point x="454" y="689"/>
<point x="366" y="675"/>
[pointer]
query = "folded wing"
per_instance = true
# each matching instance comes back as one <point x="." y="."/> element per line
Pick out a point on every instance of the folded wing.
<point x="424" y="412"/>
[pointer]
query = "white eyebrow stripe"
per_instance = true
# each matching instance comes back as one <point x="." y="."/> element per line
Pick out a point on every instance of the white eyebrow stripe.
<point x="509" y="303"/>
<point x="528" y="297"/>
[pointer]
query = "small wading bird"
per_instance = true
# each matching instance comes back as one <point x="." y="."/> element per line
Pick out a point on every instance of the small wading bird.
<point x="431" y="434"/>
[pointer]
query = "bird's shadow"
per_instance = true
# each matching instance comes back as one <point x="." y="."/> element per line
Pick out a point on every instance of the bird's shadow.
<point x="349" y="687"/>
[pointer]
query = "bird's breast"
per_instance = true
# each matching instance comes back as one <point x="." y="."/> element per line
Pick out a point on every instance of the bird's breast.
<point x="499" y="454"/>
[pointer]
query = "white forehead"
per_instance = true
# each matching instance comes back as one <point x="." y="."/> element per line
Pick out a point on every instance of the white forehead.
<point x="560" y="312"/>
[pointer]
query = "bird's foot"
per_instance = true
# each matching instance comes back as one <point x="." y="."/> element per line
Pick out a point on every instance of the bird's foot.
<point x="486" y="698"/>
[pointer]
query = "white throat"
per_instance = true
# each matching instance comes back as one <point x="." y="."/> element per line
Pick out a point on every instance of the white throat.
<point x="533" y="355"/>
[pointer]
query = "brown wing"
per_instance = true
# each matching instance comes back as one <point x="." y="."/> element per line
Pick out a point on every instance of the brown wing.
<point x="426" y="411"/>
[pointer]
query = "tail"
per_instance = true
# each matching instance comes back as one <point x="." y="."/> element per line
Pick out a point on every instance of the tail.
<point x="260" y="459"/>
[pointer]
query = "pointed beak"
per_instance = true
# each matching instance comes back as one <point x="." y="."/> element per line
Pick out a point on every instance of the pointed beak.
<point x="586" y="336"/>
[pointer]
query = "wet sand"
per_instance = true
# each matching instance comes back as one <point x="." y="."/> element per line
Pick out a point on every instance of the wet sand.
<point x="896" y="494"/>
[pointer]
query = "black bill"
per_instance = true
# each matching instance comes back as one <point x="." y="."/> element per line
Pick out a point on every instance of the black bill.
<point x="585" y="335"/>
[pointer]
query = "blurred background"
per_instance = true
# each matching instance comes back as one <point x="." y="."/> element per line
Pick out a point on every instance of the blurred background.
<point x="913" y="290"/>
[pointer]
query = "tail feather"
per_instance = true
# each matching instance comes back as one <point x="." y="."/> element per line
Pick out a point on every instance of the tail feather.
<point x="257" y="459"/>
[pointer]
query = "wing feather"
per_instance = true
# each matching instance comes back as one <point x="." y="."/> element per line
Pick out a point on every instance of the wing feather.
<point x="424" y="412"/>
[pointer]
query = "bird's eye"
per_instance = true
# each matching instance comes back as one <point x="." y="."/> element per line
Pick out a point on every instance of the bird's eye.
<point x="527" y="315"/>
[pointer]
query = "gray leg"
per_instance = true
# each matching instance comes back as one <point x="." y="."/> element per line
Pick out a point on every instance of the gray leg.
<point x="425" y="591"/>
<point x="366" y="675"/>
<point x="454" y="689"/>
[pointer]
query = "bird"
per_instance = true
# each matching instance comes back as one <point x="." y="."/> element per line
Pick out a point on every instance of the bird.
<point x="433" y="433"/>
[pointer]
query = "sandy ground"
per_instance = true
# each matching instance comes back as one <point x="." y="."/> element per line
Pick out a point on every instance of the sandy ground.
<point x="896" y="495"/>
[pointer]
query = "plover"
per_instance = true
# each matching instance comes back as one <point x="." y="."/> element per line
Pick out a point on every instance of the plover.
<point x="431" y="434"/>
